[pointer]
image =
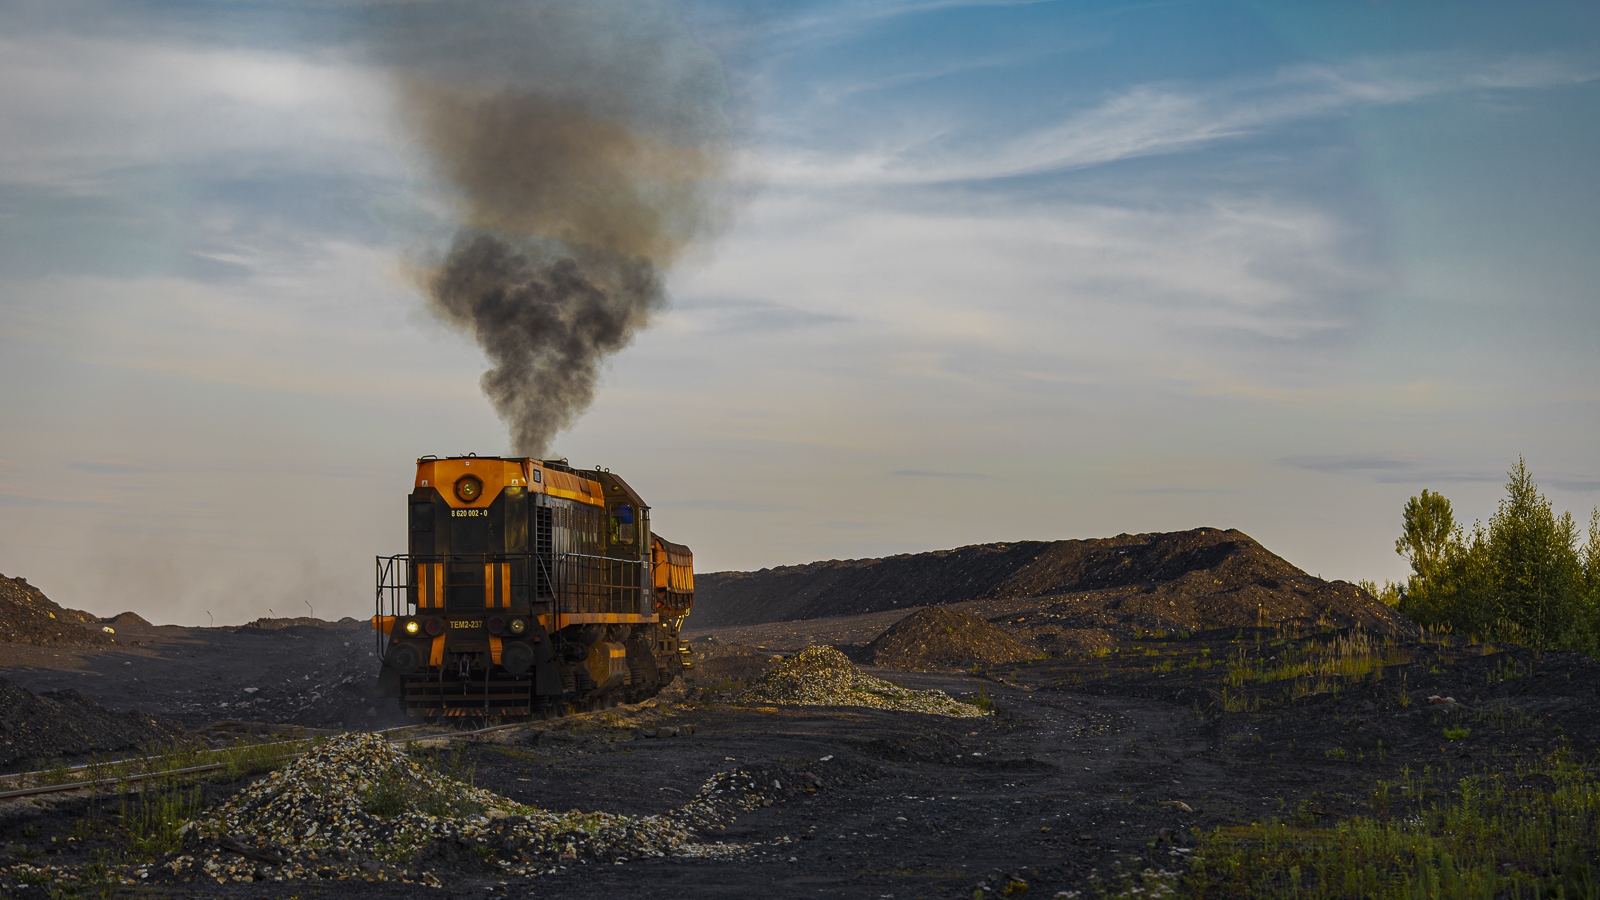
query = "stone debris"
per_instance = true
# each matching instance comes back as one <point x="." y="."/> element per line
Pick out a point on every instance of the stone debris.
<point x="822" y="676"/>
<point x="360" y="808"/>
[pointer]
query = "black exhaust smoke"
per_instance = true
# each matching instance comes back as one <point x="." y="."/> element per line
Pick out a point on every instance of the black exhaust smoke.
<point x="587" y="145"/>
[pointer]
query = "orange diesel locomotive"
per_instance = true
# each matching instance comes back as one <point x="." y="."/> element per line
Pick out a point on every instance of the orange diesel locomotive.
<point x="531" y="589"/>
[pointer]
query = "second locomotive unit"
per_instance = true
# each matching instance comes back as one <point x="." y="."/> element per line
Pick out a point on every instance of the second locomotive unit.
<point x="531" y="589"/>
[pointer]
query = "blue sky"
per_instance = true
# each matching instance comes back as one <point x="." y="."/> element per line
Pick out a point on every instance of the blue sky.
<point x="990" y="271"/>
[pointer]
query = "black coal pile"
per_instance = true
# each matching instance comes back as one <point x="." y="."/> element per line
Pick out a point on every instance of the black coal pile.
<point x="35" y="728"/>
<point x="127" y="620"/>
<point x="27" y="616"/>
<point x="1198" y="579"/>
<point x="304" y="626"/>
<point x="938" y="639"/>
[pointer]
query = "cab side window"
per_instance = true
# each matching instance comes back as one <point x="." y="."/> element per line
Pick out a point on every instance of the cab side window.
<point x="622" y="529"/>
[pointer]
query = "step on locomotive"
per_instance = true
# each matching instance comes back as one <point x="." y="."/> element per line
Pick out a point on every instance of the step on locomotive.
<point x="530" y="589"/>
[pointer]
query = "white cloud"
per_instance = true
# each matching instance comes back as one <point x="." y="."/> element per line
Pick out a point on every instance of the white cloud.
<point x="1159" y="119"/>
<point x="1075" y="287"/>
<point x="336" y="319"/>
<point x="77" y="110"/>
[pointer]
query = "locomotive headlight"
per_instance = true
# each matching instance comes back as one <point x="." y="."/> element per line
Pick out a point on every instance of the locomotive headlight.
<point x="496" y="624"/>
<point x="518" y="626"/>
<point x="434" y="627"/>
<point x="469" y="488"/>
<point x="411" y="627"/>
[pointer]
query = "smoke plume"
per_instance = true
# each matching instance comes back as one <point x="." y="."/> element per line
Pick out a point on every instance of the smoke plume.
<point x="586" y="144"/>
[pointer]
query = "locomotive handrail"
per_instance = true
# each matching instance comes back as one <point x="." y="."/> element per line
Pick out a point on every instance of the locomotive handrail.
<point x="613" y="559"/>
<point x="567" y="580"/>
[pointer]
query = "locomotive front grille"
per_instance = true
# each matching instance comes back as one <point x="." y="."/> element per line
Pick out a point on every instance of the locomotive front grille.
<point x="495" y="696"/>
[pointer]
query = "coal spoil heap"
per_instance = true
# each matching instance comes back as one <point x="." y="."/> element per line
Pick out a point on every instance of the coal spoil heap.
<point x="128" y="619"/>
<point x="27" y="616"/>
<point x="303" y="626"/>
<point x="61" y="724"/>
<point x="1194" y="580"/>
<point x="936" y="638"/>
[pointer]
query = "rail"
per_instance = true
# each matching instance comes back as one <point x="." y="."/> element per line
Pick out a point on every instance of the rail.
<point x="191" y="770"/>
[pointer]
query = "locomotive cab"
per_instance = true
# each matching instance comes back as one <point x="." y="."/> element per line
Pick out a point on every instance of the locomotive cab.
<point x="529" y="588"/>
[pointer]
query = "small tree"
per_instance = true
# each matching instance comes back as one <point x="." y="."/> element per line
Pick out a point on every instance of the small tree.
<point x="1426" y="526"/>
<point x="1458" y="593"/>
<point x="1522" y="579"/>
<point x="1591" y="560"/>
<point x="1534" y="562"/>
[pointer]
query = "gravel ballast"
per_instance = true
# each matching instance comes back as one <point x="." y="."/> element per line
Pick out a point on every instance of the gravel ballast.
<point x="823" y="676"/>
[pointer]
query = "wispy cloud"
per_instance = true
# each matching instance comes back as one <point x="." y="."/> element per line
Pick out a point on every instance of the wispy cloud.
<point x="27" y="501"/>
<point x="107" y="468"/>
<point x="735" y="506"/>
<point x="1160" y="119"/>
<point x="747" y="317"/>
<point x="80" y="110"/>
<point x="1391" y="469"/>
<point x="1576" y="485"/>
<point x="845" y="20"/>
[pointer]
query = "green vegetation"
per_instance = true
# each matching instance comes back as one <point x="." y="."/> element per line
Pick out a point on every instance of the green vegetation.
<point x="152" y="816"/>
<point x="388" y="797"/>
<point x="243" y="758"/>
<point x="982" y="700"/>
<point x="1529" y="833"/>
<point x="1523" y="579"/>
<point x="1353" y="655"/>
<point x="151" y="797"/>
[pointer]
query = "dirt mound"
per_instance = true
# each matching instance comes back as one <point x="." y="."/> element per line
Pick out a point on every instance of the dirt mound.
<point x="27" y="616"/>
<point x="302" y="625"/>
<point x="1203" y="578"/>
<point x="822" y="676"/>
<point x="127" y="620"/>
<point x="936" y="638"/>
<point x="58" y="724"/>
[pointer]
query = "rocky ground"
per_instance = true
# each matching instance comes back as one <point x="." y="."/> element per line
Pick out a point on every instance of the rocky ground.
<point x="1077" y="772"/>
<point x="303" y="672"/>
<point x="1081" y="768"/>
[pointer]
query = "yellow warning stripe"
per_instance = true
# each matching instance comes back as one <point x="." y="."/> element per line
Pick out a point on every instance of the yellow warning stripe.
<point x="562" y="620"/>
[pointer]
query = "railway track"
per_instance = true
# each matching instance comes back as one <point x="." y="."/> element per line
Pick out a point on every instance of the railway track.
<point x="21" y="777"/>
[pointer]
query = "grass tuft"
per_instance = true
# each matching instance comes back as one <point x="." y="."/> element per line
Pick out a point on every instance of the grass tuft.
<point x="1530" y="833"/>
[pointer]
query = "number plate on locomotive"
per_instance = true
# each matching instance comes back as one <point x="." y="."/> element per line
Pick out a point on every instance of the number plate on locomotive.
<point x="466" y="623"/>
